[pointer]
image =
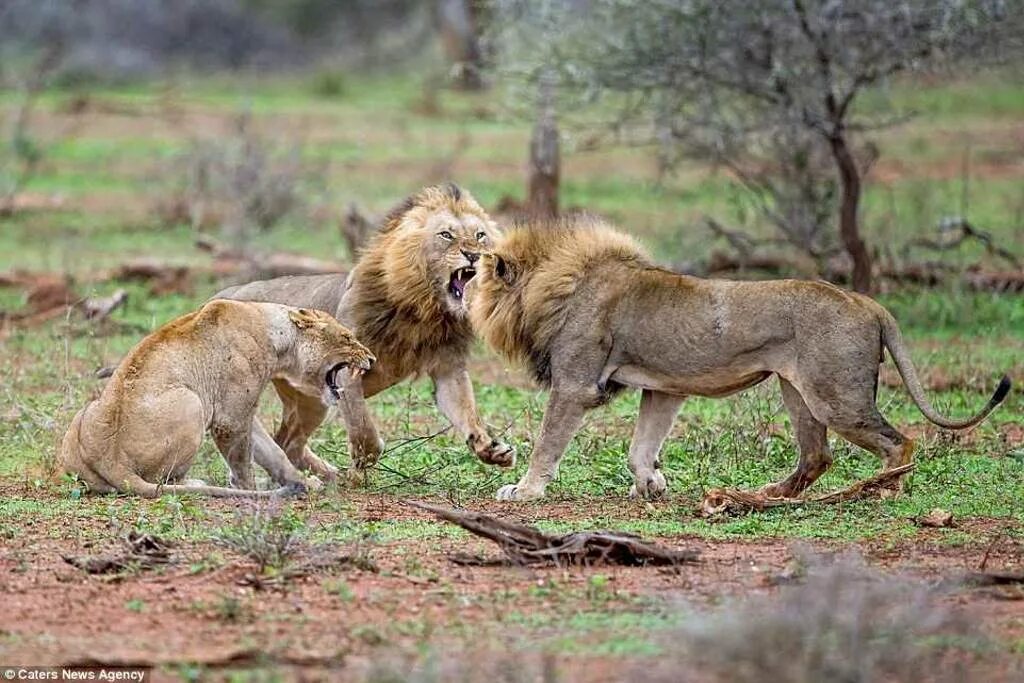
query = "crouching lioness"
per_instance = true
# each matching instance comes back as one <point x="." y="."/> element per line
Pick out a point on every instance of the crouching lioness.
<point x="585" y="309"/>
<point x="205" y="372"/>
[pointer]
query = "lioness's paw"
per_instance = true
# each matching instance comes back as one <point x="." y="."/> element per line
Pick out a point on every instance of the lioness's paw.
<point x="650" y="486"/>
<point x="517" y="492"/>
<point x="314" y="483"/>
<point x="497" y="453"/>
<point x="294" y="489"/>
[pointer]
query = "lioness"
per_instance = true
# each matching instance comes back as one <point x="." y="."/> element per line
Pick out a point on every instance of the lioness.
<point x="584" y="308"/>
<point x="205" y="371"/>
<point x="405" y="299"/>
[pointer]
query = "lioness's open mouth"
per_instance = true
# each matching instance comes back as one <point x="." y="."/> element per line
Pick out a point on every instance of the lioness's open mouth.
<point x="460" y="278"/>
<point x="332" y="376"/>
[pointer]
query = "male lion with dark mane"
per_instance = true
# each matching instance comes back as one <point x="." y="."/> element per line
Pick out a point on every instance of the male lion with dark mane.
<point x="584" y="307"/>
<point x="405" y="300"/>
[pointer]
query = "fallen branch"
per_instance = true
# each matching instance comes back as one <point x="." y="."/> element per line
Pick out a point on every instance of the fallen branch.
<point x="993" y="578"/>
<point x="964" y="231"/>
<point x="142" y="551"/>
<point x="526" y="545"/>
<point x="721" y="501"/>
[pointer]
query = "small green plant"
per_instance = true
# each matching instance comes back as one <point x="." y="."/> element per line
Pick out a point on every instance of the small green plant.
<point x="330" y="84"/>
<point x="599" y="588"/>
<point x="135" y="605"/>
<point x="340" y="588"/>
<point x="267" y="535"/>
<point x="230" y="609"/>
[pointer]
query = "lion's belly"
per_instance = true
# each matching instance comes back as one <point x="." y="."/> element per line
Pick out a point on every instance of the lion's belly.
<point x="711" y="384"/>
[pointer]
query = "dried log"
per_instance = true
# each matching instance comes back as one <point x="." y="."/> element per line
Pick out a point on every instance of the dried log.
<point x="720" y="501"/>
<point x="100" y="308"/>
<point x="526" y="545"/>
<point x="230" y="261"/>
<point x="993" y="578"/>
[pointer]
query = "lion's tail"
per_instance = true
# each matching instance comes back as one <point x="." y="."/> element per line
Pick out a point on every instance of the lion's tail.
<point x="893" y="340"/>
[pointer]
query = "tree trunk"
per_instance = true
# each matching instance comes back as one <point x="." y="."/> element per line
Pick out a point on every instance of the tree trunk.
<point x="459" y="39"/>
<point x="849" y="222"/>
<point x="545" y="162"/>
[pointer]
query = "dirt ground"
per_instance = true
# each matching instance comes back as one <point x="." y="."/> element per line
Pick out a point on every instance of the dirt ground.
<point x="55" y="614"/>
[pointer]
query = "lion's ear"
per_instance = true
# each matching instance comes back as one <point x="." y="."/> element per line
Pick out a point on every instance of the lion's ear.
<point x="303" y="318"/>
<point x="504" y="270"/>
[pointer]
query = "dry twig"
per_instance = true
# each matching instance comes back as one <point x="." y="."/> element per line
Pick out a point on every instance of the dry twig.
<point x="719" y="501"/>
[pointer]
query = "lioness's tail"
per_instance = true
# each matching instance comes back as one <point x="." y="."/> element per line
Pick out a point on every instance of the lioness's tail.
<point x="893" y="340"/>
<point x="133" y="483"/>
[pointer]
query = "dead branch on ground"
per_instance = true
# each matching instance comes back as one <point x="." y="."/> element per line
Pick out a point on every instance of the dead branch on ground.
<point x="962" y="231"/>
<point x="141" y="552"/>
<point x="526" y="545"/>
<point x="721" y="501"/>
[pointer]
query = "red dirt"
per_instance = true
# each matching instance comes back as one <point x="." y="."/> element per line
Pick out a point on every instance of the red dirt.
<point x="56" y="614"/>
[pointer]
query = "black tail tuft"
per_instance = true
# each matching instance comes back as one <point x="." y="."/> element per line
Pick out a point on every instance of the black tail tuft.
<point x="1002" y="390"/>
<point x="104" y="373"/>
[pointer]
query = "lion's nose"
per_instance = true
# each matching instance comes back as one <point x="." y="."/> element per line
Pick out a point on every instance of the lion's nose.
<point x="471" y="256"/>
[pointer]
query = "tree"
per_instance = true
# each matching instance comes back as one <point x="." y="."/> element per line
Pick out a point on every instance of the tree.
<point x="458" y="28"/>
<point x="729" y="76"/>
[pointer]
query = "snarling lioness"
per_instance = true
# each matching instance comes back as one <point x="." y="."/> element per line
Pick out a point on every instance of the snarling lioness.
<point x="405" y="299"/>
<point x="205" y="372"/>
<point x="585" y="309"/>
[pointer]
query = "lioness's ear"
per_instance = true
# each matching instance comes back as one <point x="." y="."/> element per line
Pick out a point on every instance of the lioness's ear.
<point x="504" y="270"/>
<point x="303" y="318"/>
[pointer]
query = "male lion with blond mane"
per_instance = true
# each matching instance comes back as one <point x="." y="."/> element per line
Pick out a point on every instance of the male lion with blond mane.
<point x="205" y="372"/>
<point x="585" y="309"/>
<point x="405" y="299"/>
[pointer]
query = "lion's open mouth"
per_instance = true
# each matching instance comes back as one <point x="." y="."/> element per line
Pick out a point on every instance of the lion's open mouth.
<point x="460" y="278"/>
<point x="332" y="376"/>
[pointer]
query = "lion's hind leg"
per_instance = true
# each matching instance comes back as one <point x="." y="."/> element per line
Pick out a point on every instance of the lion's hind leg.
<point x="855" y="417"/>
<point x="812" y="440"/>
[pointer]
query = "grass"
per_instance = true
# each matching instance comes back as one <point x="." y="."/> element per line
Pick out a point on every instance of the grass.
<point x="377" y="146"/>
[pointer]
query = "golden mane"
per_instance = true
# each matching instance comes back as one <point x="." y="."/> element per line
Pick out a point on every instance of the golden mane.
<point x="544" y="262"/>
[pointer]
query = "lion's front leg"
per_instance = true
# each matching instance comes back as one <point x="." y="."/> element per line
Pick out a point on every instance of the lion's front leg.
<point x="657" y="413"/>
<point x="235" y="445"/>
<point x="364" y="443"/>
<point x="562" y="418"/>
<point x="301" y="415"/>
<point x="453" y="392"/>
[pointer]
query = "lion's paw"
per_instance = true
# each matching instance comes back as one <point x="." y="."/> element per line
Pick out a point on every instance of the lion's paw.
<point x="314" y="483"/>
<point x="516" y="492"/>
<point x="650" y="487"/>
<point x="497" y="453"/>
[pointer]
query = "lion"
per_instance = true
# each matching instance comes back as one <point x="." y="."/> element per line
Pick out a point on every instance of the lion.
<point x="585" y="309"/>
<point x="404" y="299"/>
<point x="205" y="372"/>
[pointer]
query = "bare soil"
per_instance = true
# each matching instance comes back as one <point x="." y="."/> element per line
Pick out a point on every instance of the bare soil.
<point x="189" y="612"/>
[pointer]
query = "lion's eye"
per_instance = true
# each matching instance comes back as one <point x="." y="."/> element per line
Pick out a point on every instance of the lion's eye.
<point x="446" y="235"/>
<point x="481" y="236"/>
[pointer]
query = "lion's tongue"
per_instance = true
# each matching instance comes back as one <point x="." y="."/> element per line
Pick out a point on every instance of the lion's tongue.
<point x="459" y="280"/>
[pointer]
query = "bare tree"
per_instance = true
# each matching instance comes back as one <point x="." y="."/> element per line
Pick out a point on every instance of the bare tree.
<point x="735" y="74"/>
<point x="458" y="28"/>
<point x="545" y="160"/>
